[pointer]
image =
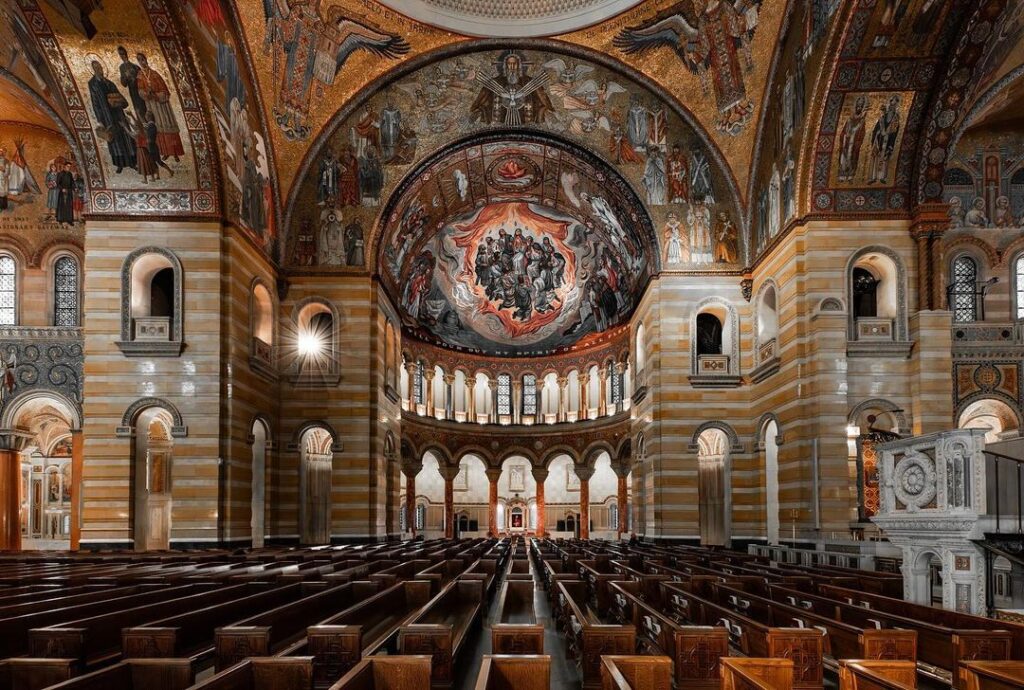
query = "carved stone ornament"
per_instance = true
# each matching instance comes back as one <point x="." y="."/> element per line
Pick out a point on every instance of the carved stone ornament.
<point x="914" y="481"/>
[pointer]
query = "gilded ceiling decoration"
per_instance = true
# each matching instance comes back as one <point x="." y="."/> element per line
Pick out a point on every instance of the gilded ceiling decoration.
<point x="132" y="103"/>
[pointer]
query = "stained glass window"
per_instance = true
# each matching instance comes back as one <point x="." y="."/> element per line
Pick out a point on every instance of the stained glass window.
<point x="616" y="386"/>
<point x="8" y="290"/>
<point x="417" y="385"/>
<point x="65" y="292"/>
<point x="529" y="394"/>
<point x="963" y="296"/>
<point x="504" y="394"/>
<point x="1019" y="278"/>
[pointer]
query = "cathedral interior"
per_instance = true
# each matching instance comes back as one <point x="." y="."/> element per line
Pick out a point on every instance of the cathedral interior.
<point x="511" y="344"/>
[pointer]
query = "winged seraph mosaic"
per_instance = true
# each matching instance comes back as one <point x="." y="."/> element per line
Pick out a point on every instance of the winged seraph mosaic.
<point x="713" y="38"/>
<point x="309" y="48"/>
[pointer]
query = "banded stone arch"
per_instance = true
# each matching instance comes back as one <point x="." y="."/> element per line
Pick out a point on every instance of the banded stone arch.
<point x="735" y="444"/>
<point x="126" y="428"/>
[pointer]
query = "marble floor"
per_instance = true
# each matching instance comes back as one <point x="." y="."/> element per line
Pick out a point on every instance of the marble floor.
<point x="564" y="675"/>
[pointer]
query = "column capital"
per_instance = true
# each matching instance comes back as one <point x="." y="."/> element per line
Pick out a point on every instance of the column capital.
<point x="15" y="439"/>
<point x="428" y="373"/>
<point x="621" y="470"/>
<point x="620" y="367"/>
<point x="449" y="379"/>
<point x="492" y="384"/>
<point x="583" y="472"/>
<point x="410" y="469"/>
<point x="448" y="472"/>
<point x="602" y="373"/>
<point x="493" y="474"/>
<point x="411" y="367"/>
<point x="540" y="474"/>
<point x="563" y="381"/>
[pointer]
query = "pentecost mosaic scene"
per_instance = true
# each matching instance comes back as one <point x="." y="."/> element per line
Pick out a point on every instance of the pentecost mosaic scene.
<point x="560" y="344"/>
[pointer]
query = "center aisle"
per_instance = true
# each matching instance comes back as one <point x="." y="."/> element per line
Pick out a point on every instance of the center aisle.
<point x="564" y="674"/>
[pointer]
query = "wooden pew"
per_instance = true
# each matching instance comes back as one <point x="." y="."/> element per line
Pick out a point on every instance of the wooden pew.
<point x="14" y="630"/>
<point x="993" y="675"/>
<point x="754" y="638"/>
<point x="877" y="675"/>
<point x="518" y="672"/>
<point x="264" y="673"/>
<point x="939" y="645"/>
<point x="441" y="628"/>
<point x="387" y="673"/>
<point x="272" y="630"/>
<point x="515" y="629"/>
<point x="843" y="640"/>
<point x="338" y="643"/>
<point x="134" y="674"/>
<point x="586" y="636"/>
<point x="191" y="633"/>
<point x="489" y="568"/>
<point x="694" y="650"/>
<point x="97" y="639"/>
<point x="597" y="573"/>
<point x="750" y="673"/>
<point x="636" y="673"/>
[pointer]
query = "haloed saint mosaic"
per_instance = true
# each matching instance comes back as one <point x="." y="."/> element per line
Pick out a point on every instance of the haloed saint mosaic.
<point x="516" y="249"/>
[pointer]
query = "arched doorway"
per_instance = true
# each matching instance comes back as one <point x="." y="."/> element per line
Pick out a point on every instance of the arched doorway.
<point x="47" y="488"/>
<point x="771" y="481"/>
<point x="712" y="461"/>
<point x="316" y="463"/>
<point x="257" y="521"/>
<point x="153" y="503"/>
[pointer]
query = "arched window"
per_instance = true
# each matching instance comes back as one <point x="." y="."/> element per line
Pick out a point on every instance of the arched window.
<point x="65" y="291"/>
<point x="1018" y="284"/>
<point x="421" y="516"/>
<point x="865" y="293"/>
<point x="8" y="290"/>
<point x="418" y="386"/>
<point x="504" y="394"/>
<point x="709" y="335"/>
<point x="317" y="347"/>
<point x="616" y="379"/>
<point x="401" y="519"/>
<point x="529" y="394"/>
<point x="963" y="292"/>
<point x="613" y="516"/>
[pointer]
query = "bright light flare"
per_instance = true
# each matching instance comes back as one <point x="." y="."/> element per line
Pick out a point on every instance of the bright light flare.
<point x="310" y="344"/>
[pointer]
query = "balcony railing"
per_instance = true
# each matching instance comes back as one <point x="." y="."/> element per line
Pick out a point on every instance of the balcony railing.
<point x="876" y="329"/>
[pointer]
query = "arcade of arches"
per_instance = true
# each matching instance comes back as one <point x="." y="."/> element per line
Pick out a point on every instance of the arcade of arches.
<point x="312" y="271"/>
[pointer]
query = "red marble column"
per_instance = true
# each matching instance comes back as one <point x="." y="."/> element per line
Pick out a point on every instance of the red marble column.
<point x="540" y="475"/>
<point x="449" y="507"/>
<point x="584" y="473"/>
<point x="10" y="500"/>
<point x="492" y="501"/>
<point x="77" y="462"/>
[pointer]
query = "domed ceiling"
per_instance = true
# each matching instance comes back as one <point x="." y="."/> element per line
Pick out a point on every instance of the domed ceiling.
<point x="515" y="246"/>
<point x="510" y="18"/>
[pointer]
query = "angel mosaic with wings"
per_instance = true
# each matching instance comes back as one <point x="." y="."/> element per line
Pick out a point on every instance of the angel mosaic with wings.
<point x="713" y="39"/>
<point x="315" y="47"/>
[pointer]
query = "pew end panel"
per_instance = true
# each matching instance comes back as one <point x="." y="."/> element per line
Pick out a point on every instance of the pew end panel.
<point x="335" y="649"/>
<point x="698" y="655"/>
<point x="805" y="648"/>
<point x="136" y="674"/>
<point x="33" y="674"/>
<point x="235" y="643"/>
<point x="520" y="672"/>
<point x="435" y="641"/>
<point x="889" y="644"/>
<point x="149" y="643"/>
<point x="599" y="640"/>
<point x="513" y="638"/>
<point x="387" y="673"/>
<point x="749" y="673"/>
<point x="979" y="645"/>
<point x="636" y="672"/>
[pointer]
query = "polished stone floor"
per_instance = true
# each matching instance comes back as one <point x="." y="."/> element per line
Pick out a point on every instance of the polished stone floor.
<point x="564" y="675"/>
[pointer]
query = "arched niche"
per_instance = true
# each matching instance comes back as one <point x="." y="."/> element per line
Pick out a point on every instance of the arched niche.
<point x="713" y="486"/>
<point x="260" y="442"/>
<point x="714" y="339"/>
<point x="152" y="303"/>
<point x="152" y="465"/>
<point x="316" y="464"/>
<point x="876" y="290"/>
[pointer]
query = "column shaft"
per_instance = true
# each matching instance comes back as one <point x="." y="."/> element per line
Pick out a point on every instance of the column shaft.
<point x="585" y="508"/>
<point x="623" y="517"/>
<point x="10" y="500"/>
<point x="410" y="503"/>
<point x="449" y="507"/>
<point x="77" y="462"/>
